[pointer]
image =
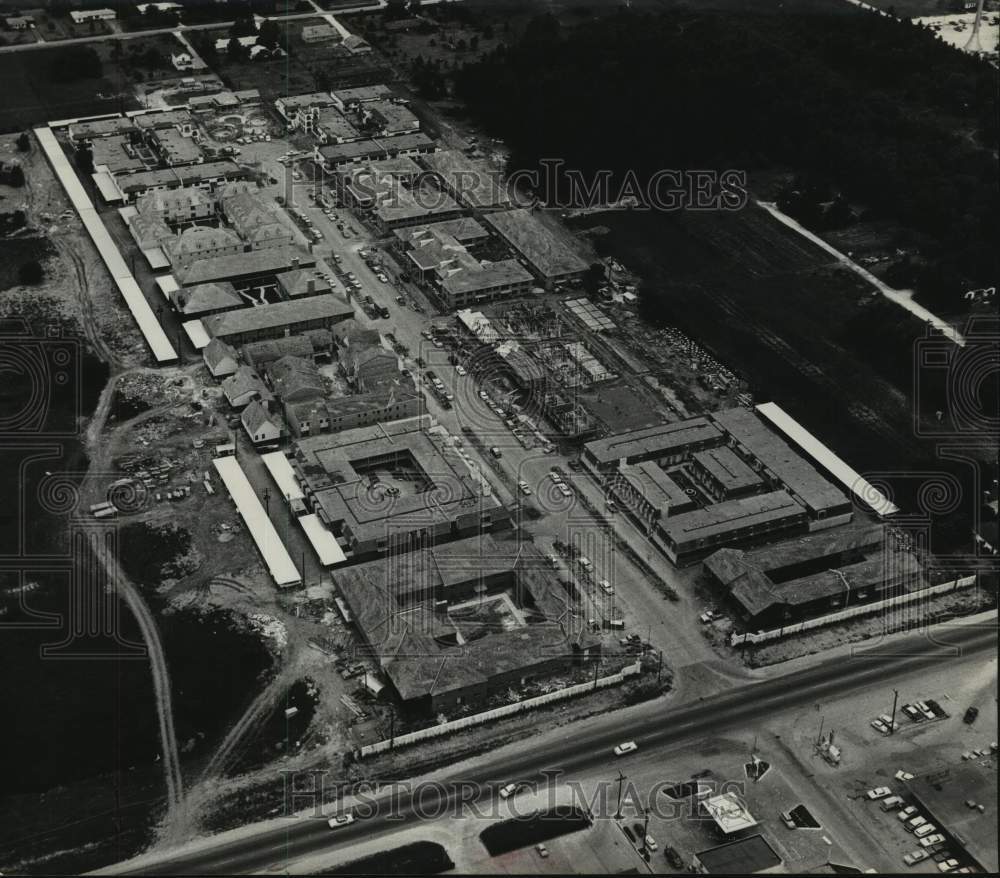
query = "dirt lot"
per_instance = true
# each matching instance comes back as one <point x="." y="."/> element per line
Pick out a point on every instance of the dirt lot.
<point x="75" y="277"/>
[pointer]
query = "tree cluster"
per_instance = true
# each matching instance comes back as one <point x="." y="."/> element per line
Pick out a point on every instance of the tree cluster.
<point x="880" y="109"/>
<point x="70" y="63"/>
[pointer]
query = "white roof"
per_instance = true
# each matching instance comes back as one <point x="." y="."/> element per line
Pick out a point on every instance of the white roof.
<point x="195" y="330"/>
<point x="729" y="813"/>
<point x="167" y="284"/>
<point x="156" y="258"/>
<point x="284" y="476"/>
<point x="279" y="562"/>
<point x="106" y="184"/>
<point x="849" y="478"/>
<point x="156" y="338"/>
<point x="324" y="542"/>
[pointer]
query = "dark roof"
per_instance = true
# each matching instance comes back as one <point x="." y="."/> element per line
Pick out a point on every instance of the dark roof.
<point x="654" y="441"/>
<point x="943" y="794"/>
<point x="730" y="515"/>
<point x="276" y="315"/>
<point x="746" y="856"/>
<point x="794" y="471"/>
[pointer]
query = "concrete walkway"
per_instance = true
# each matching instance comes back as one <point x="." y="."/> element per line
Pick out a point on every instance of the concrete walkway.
<point x="903" y="298"/>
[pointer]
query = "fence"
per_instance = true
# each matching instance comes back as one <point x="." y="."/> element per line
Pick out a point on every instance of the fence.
<point x="499" y="712"/>
<point x="851" y="612"/>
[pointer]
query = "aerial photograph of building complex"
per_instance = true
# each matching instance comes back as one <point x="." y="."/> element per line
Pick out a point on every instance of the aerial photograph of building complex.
<point x="480" y="437"/>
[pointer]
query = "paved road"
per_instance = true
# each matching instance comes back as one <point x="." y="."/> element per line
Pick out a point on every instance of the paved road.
<point x="649" y="725"/>
<point x="212" y="25"/>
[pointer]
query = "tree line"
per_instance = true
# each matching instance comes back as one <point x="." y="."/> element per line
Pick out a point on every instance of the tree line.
<point x="880" y="110"/>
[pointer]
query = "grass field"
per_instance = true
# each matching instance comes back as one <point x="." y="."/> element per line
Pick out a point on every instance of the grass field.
<point x="30" y="97"/>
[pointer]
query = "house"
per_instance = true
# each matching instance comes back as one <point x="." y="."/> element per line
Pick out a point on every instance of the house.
<point x="149" y="230"/>
<point x="177" y="205"/>
<point x="294" y="379"/>
<point x="220" y="358"/>
<point x="312" y="343"/>
<point x="182" y="61"/>
<point x="367" y="369"/>
<point x="303" y="282"/>
<point x="159" y="7"/>
<point x="222" y="44"/>
<point x="355" y="45"/>
<point x="346" y="98"/>
<point x="256" y="221"/>
<point x="262" y="426"/>
<point x="205" y="299"/>
<point x="244" y="386"/>
<point x="80" y="16"/>
<point x="198" y="242"/>
<point x="19" y="22"/>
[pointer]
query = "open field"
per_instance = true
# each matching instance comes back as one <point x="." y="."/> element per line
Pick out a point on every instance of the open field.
<point x="305" y="68"/>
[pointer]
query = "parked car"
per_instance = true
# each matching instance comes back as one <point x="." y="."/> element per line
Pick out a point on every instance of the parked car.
<point x="948" y="865"/>
<point x="907" y="813"/>
<point x="629" y="834"/>
<point x="340" y="820"/>
<point x="461" y="370"/>
<point x="542" y="850"/>
<point x="786" y="818"/>
<point x="651" y="844"/>
<point x="878" y="793"/>
<point x="555" y="476"/>
<point x="523" y="487"/>
<point x="924" y="829"/>
<point x="879" y="726"/>
<point x="970" y="715"/>
<point x="914" y="857"/>
<point x="606" y="587"/>
<point x="914" y="823"/>
<point x="928" y="841"/>
<point x="903" y="775"/>
<point x="626" y="747"/>
<point x="565" y="490"/>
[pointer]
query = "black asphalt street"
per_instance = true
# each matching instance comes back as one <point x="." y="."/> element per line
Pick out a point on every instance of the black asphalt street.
<point x="649" y="725"/>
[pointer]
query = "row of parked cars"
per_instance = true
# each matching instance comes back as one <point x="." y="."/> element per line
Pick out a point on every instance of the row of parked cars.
<point x="932" y="843"/>
<point x="918" y="712"/>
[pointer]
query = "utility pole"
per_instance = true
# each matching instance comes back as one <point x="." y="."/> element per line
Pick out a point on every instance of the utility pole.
<point x="819" y="737"/>
<point x="895" y="701"/>
<point x="267" y="501"/>
<point x="659" y="668"/>
<point x="392" y="727"/>
<point x="597" y="668"/>
<point x="621" y="780"/>
<point x="645" y="828"/>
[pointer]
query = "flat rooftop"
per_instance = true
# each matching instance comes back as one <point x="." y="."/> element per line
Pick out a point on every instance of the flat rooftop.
<point x="278" y="314"/>
<point x="727" y="468"/>
<point x="272" y="260"/>
<point x="547" y="254"/>
<point x="475" y="184"/>
<point x="796" y="473"/>
<point x="649" y="479"/>
<point x="346" y="498"/>
<point x="652" y="441"/>
<point x="943" y="794"/>
<point x="731" y="515"/>
<point x="746" y="856"/>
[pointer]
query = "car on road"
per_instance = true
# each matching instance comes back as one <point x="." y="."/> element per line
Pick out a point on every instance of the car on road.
<point x="461" y="370"/>
<point x="606" y="587"/>
<point x="948" y="865"/>
<point x="523" y="488"/>
<point x="879" y="726"/>
<point x="928" y="841"/>
<point x="542" y="850"/>
<point x="786" y="818"/>
<point x="345" y="819"/>
<point x="970" y="715"/>
<point x="507" y="791"/>
<point x="907" y="813"/>
<point x="626" y="747"/>
<point x="914" y="857"/>
<point x="878" y="793"/>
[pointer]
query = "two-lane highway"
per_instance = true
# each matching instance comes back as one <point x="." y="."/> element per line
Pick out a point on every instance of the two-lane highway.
<point x="651" y="724"/>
